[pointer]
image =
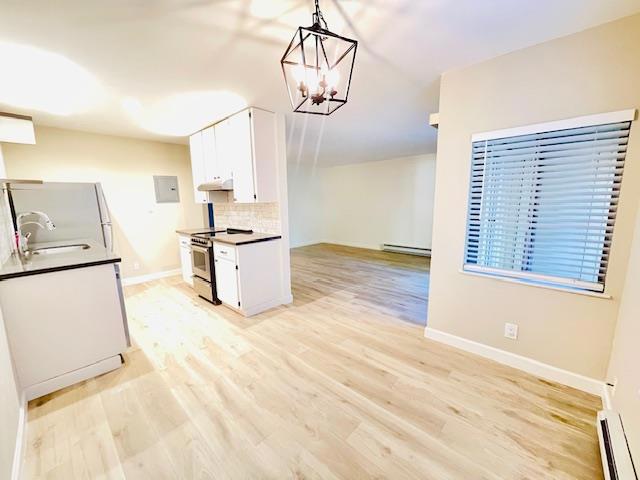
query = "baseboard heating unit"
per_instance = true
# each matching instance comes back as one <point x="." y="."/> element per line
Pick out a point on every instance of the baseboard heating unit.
<point x="614" y="449"/>
<point x="423" y="252"/>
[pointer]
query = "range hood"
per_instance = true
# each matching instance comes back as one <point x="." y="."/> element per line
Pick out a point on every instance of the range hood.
<point x="217" y="186"/>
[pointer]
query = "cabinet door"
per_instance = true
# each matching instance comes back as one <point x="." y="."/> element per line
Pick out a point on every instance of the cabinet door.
<point x="224" y="150"/>
<point x="209" y="155"/>
<point x="197" y="166"/>
<point x="185" y="262"/>
<point x="243" y="179"/>
<point x="227" y="281"/>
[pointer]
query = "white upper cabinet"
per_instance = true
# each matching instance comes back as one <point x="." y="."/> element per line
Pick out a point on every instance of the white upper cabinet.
<point x="224" y="149"/>
<point x="241" y="147"/>
<point x="242" y="158"/>
<point x="209" y="155"/>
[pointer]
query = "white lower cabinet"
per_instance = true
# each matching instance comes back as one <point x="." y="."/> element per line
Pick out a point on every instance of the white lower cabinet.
<point x="64" y="326"/>
<point x="184" y="242"/>
<point x="227" y="282"/>
<point x="248" y="277"/>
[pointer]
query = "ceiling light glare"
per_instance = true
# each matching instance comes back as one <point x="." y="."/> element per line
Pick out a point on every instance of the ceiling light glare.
<point x="182" y="114"/>
<point x="35" y="79"/>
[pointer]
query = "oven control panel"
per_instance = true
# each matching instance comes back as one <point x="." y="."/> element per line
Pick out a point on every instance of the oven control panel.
<point x="202" y="242"/>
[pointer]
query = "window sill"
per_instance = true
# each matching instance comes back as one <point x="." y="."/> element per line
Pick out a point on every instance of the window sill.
<point x="532" y="284"/>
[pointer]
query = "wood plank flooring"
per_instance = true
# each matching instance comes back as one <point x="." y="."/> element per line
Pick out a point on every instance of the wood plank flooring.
<point x="337" y="385"/>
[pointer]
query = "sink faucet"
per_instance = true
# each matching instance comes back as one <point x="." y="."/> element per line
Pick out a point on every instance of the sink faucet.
<point x="23" y="239"/>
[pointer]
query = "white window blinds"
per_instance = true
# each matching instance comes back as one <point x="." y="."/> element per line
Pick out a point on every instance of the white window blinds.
<point x="542" y="205"/>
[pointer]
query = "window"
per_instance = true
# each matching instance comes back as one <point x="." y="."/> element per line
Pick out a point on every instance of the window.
<point x="543" y="200"/>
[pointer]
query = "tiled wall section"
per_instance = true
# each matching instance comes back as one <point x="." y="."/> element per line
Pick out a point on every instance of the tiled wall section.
<point x="259" y="217"/>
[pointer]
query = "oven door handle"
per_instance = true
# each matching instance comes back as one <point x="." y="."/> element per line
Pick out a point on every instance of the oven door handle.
<point x="200" y="249"/>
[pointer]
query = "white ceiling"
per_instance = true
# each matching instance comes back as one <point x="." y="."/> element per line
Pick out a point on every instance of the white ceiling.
<point x="153" y="49"/>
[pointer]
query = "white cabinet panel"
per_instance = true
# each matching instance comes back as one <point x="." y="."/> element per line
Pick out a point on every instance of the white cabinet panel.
<point x="243" y="179"/>
<point x="209" y="156"/>
<point x="227" y="282"/>
<point x="185" y="259"/>
<point x="197" y="166"/>
<point x="76" y="321"/>
<point x="224" y="151"/>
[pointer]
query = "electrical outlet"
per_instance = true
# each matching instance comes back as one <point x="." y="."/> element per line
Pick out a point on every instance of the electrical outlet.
<point x="136" y="266"/>
<point x="511" y="331"/>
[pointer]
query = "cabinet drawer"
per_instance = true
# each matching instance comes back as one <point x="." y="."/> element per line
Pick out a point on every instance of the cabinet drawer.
<point x="222" y="250"/>
<point x="185" y="241"/>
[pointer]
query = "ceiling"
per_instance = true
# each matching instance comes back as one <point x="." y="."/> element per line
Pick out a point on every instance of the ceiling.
<point x="144" y="57"/>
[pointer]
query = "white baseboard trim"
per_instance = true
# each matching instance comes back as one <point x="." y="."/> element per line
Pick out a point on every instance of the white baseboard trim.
<point x="21" y="440"/>
<point x="529" y="365"/>
<point x="306" y="243"/>
<point x="356" y="245"/>
<point x="151" y="276"/>
<point x="287" y="299"/>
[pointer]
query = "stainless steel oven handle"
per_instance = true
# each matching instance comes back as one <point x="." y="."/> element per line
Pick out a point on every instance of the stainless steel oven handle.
<point x="200" y="249"/>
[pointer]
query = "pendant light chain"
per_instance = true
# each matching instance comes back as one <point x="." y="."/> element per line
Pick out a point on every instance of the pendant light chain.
<point x="318" y="17"/>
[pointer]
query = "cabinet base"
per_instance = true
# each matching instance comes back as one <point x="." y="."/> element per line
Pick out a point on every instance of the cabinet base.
<point x="71" y="378"/>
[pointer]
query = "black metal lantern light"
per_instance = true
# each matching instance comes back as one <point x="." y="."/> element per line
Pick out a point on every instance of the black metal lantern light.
<point x="317" y="68"/>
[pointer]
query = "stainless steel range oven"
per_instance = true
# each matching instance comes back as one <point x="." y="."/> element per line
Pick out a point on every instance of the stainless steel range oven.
<point x="204" y="274"/>
<point x="204" y="277"/>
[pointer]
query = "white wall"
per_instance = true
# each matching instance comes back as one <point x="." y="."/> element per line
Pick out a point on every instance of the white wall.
<point x="307" y="210"/>
<point x="589" y="72"/>
<point x="364" y="204"/>
<point x="624" y="368"/>
<point x="144" y="230"/>
<point x="9" y="392"/>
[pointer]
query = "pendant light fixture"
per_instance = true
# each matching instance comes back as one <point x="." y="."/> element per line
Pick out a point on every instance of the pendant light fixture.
<point x="317" y="68"/>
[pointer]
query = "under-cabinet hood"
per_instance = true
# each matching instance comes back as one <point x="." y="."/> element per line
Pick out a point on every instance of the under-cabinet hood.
<point x="217" y="186"/>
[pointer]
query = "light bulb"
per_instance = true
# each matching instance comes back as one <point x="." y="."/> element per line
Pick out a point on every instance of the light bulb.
<point x="299" y="73"/>
<point x="333" y="77"/>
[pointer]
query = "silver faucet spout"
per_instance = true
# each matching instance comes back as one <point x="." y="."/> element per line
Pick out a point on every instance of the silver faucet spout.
<point x="24" y="239"/>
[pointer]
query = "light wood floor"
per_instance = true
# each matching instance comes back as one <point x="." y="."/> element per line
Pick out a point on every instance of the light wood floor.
<point x="333" y="386"/>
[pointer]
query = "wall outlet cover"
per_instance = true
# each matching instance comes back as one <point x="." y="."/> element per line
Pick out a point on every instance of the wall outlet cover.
<point x="136" y="266"/>
<point x="511" y="331"/>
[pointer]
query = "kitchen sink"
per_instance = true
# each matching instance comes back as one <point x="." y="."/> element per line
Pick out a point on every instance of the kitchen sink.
<point x="59" y="249"/>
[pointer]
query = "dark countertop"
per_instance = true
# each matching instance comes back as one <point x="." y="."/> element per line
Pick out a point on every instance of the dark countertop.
<point x="244" y="238"/>
<point x="17" y="266"/>
<point x="194" y="231"/>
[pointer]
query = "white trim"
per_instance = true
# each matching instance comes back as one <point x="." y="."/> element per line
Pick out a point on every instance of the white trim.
<point x="576" y="122"/>
<point x="21" y="440"/>
<point x="151" y="276"/>
<point x="536" y="277"/>
<point x="606" y="394"/>
<point x="529" y="365"/>
<point x="521" y="281"/>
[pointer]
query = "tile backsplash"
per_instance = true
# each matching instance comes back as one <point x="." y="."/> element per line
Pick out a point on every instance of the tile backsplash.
<point x="260" y="217"/>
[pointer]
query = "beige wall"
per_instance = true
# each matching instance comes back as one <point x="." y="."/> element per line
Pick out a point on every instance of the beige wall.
<point x="144" y="230"/>
<point x="594" y="71"/>
<point x="624" y="368"/>
<point x="364" y="204"/>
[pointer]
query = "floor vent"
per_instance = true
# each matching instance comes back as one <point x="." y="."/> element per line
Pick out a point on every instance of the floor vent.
<point x="614" y="449"/>
<point x="423" y="252"/>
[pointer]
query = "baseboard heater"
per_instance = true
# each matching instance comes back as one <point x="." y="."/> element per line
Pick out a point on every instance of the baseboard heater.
<point x="423" y="252"/>
<point x="614" y="449"/>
